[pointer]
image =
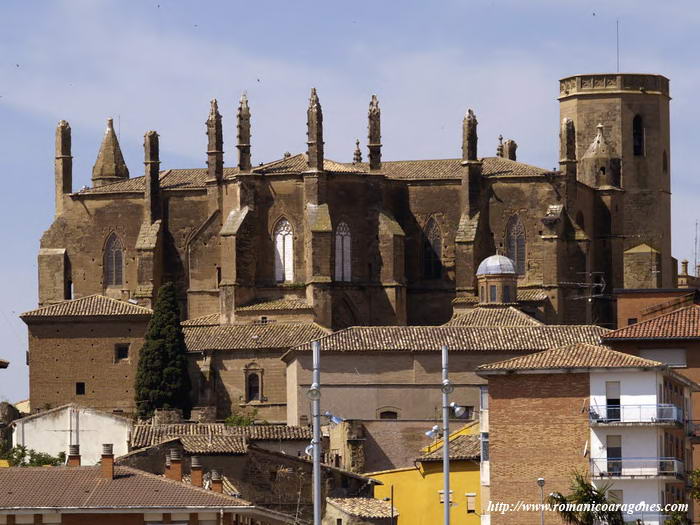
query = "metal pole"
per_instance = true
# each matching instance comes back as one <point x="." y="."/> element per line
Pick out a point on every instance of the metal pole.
<point x="392" y="505"/>
<point x="542" y="504"/>
<point x="316" y="415"/>
<point x="445" y="438"/>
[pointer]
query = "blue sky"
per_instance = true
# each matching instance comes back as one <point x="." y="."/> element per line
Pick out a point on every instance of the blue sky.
<point x="156" y="64"/>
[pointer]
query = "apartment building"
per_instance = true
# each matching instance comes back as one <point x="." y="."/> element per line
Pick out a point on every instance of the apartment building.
<point x="623" y="419"/>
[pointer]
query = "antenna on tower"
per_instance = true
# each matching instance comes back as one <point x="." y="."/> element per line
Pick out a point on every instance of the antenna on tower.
<point x="617" y="40"/>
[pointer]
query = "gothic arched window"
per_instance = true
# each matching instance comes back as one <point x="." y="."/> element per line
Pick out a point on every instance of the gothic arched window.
<point x="113" y="261"/>
<point x="252" y="387"/>
<point x="343" y="251"/>
<point x="284" y="251"/>
<point x="432" y="251"/>
<point x="638" y="135"/>
<point x="515" y="243"/>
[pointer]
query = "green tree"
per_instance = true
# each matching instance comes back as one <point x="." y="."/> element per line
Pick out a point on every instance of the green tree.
<point x="162" y="380"/>
<point x="243" y="418"/>
<point x="24" y="457"/>
<point x="583" y="492"/>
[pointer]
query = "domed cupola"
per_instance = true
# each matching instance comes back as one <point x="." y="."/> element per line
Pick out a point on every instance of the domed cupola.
<point x="497" y="280"/>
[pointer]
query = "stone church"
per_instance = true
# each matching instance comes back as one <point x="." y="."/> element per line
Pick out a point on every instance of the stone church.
<point x="273" y="255"/>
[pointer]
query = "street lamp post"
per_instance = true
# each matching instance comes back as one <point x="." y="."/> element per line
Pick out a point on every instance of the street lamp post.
<point x="540" y="483"/>
<point x="314" y="395"/>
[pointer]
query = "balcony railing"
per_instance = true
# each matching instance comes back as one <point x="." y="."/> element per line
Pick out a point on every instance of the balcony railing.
<point x="636" y="467"/>
<point x="611" y="414"/>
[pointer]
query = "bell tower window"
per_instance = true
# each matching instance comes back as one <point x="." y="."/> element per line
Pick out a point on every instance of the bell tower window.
<point x="284" y="251"/>
<point x="114" y="262"/>
<point x="638" y="136"/>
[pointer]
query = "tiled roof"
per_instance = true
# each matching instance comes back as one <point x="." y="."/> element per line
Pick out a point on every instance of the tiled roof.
<point x="274" y="304"/>
<point x="457" y="338"/>
<point x="298" y="163"/>
<point x="94" y="411"/>
<point x="462" y="447"/>
<point x="572" y="356"/>
<point x="145" y="435"/>
<point x="227" y="485"/>
<point x="250" y="336"/>
<point x="169" y="180"/>
<point x="531" y="295"/>
<point x="91" y="305"/>
<point x="84" y="487"/>
<point x="493" y="316"/>
<point x="213" y="444"/>
<point x="364" y="507"/>
<point x="679" y="324"/>
<point x="205" y="320"/>
<point x="452" y="168"/>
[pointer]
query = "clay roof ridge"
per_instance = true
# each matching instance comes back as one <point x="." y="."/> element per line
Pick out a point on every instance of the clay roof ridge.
<point x="135" y="309"/>
<point x="636" y="327"/>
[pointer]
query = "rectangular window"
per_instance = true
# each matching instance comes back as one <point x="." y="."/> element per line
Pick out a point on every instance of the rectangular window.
<point x="484" y="397"/>
<point x="631" y="320"/>
<point x="612" y="400"/>
<point x="121" y="352"/>
<point x="492" y="293"/>
<point x="80" y="389"/>
<point x="506" y="294"/>
<point x="471" y="503"/>
<point x="614" y="455"/>
<point x="484" y="446"/>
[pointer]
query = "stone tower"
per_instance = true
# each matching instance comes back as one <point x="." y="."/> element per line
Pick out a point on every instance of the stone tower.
<point x="634" y="112"/>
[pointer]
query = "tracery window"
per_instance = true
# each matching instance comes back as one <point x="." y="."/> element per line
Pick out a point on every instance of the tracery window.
<point x="432" y="251"/>
<point x="253" y="387"/>
<point x="515" y="243"/>
<point x="284" y="251"/>
<point x="343" y="253"/>
<point x="113" y="261"/>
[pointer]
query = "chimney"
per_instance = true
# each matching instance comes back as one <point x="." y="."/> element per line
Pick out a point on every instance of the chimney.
<point x="197" y="475"/>
<point x="509" y="148"/>
<point x="107" y="463"/>
<point x="499" y="148"/>
<point x="374" y="135"/>
<point x="167" y="465"/>
<point x="684" y="267"/>
<point x="314" y="132"/>
<point x="243" y="145"/>
<point x="151" y="164"/>
<point x="215" y="144"/>
<point x="217" y="485"/>
<point x="63" y="164"/>
<point x="175" y="471"/>
<point x="74" y="456"/>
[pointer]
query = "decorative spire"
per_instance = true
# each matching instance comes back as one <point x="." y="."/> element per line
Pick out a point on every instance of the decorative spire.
<point x="469" y="137"/>
<point x="567" y="141"/>
<point x="314" y="133"/>
<point x="151" y="162"/>
<point x="63" y="164"/>
<point x="599" y="147"/>
<point x="499" y="148"/>
<point x="375" y="135"/>
<point x="109" y="166"/>
<point x="244" y="164"/>
<point x="215" y="143"/>
<point x="357" y="155"/>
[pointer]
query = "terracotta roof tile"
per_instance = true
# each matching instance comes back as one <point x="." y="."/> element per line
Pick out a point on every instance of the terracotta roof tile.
<point x="452" y="168"/>
<point x="572" y="356"/>
<point x="213" y="444"/>
<point x="531" y="295"/>
<point x="462" y="447"/>
<point x="274" y="304"/>
<point x="205" y="320"/>
<point x="91" y="305"/>
<point x="298" y="164"/>
<point x="145" y="435"/>
<point x="83" y="487"/>
<point x="679" y="324"/>
<point x="250" y="336"/>
<point x="457" y="338"/>
<point x="493" y="316"/>
<point x="364" y="507"/>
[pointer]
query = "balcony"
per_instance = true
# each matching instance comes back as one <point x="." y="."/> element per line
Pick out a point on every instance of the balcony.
<point x="637" y="468"/>
<point x="633" y="415"/>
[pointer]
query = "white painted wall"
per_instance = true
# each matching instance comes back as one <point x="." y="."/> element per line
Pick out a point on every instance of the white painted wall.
<point x="638" y="491"/>
<point x="636" y="388"/>
<point x="53" y="431"/>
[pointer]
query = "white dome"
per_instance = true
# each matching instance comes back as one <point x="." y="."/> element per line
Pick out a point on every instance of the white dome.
<point x="496" y="265"/>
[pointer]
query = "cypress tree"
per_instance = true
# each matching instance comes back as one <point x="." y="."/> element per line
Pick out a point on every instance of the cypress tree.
<point x="162" y="379"/>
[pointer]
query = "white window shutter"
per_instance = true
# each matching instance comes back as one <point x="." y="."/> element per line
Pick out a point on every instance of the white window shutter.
<point x="279" y="257"/>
